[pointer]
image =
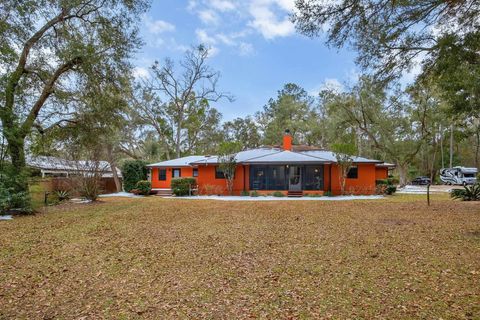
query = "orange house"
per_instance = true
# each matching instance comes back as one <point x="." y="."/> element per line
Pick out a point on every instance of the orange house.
<point x="290" y="169"/>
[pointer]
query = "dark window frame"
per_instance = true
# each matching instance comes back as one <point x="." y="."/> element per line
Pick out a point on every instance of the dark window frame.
<point x="195" y="172"/>
<point x="162" y="174"/>
<point x="352" y="172"/>
<point x="219" y="174"/>
<point x="308" y="181"/>
<point x="179" y="172"/>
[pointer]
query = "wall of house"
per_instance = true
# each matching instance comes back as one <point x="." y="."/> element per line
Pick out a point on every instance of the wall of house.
<point x="157" y="184"/>
<point x="364" y="184"/>
<point x="208" y="184"/>
<point x="381" y="173"/>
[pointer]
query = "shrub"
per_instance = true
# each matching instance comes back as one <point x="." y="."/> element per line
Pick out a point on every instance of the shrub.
<point x="62" y="195"/>
<point x="10" y="199"/>
<point x="254" y="194"/>
<point x="182" y="186"/>
<point x="278" y="194"/>
<point x="391" y="189"/>
<point x="244" y="193"/>
<point x="144" y="187"/>
<point x="468" y="193"/>
<point x="328" y="194"/>
<point x="132" y="172"/>
<point x="381" y="182"/>
<point x="385" y="186"/>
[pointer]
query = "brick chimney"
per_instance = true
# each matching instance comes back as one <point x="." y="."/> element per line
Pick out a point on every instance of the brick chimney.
<point x="287" y="141"/>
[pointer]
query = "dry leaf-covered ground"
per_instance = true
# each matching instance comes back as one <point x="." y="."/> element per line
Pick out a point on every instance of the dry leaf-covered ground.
<point x="167" y="258"/>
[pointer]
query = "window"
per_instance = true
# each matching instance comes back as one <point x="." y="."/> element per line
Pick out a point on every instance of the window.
<point x="219" y="173"/>
<point x="276" y="178"/>
<point x="195" y="172"/>
<point x="313" y="178"/>
<point x="258" y="177"/>
<point x="352" y="173"/>
<point x="176" y="173"/>
<point x="162" y="174"/>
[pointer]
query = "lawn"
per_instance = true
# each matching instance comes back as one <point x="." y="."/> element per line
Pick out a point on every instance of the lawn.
<point x="167" y="258"/>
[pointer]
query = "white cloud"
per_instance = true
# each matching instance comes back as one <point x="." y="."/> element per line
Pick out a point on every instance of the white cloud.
<point x="328" y="84"/>
<point x="222" y="5"/>
<point x="192" y="4"/>
<point x="140" y="73"/>
<point x="208" y="16"/>
<point x="158" y="26"/>
<point x="204" y="38"/>
<point x="266" y="21"/>
<point x="246" y="49"/>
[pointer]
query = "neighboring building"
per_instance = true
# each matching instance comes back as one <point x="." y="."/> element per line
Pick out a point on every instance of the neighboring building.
<point x="58" y="167"/>
<point x="291" y="169"/>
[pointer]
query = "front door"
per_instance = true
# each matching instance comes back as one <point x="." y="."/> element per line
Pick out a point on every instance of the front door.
<point x="295" y="178"/>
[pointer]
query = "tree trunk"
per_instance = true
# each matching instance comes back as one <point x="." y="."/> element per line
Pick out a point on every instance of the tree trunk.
<point x="402" y="171"/>
<point x="17" y="156"/>
<point x="441" y="147"/>
<point x="178" y="138"/>
<point x="111" y="161"/>
<point x="451" y="146"/>
<point x="477" y="149"/>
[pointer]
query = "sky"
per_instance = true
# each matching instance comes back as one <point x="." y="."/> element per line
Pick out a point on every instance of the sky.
<point x="253" y="45"/>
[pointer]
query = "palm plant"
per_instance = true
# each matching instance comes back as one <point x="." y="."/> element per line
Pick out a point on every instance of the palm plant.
<point x="468" y="193"/>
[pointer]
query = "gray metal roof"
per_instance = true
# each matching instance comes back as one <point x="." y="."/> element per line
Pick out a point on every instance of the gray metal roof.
<point x="63" y="165"/>
<point x="287" y="157"/>
<point x="179" y="162"/>
<point x="264" y="155"/>
<point x="330" y="156"/>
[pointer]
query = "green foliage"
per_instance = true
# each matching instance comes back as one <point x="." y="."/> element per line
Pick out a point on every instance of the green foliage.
<point x="56" y="31"/>
<point x="254" y="193"/>
<point x="144" y="187"/>
<point x="389" y="36"/>
<point x="133" y="171"/>
<point x="381" y="182"/>
<point x="390" y="190"/>
<point x="278" y="194"/>
<point x="10" y="196"/>
<point x="385" y="186"/>
<point x="62" y="195"/>
<point x="454" y="68"/>
<point x="244" y="193"/>
<point x="244" y="131"/>
<point x="182" y="186"/>
<point x="292" y="109"/>
<point x="468" y="193"/>
<point x="328" y="194"/>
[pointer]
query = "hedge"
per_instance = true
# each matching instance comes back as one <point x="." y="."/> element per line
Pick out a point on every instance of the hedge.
<point x="133" y="171"/>
<point x="182" y="186"/>
<point x="144" y="187"/>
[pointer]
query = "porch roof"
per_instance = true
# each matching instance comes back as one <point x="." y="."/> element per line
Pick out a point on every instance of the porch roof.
<point x="287" y="157"/>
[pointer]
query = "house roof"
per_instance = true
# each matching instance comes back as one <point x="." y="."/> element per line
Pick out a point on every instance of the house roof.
<point x="386" y="165"/>
<point x="62" y="165"/>
<point x="180" y="162"/>
<point x="330" y="156"/>
<point x="287" y="157"/>
<point x="264" y="155"/>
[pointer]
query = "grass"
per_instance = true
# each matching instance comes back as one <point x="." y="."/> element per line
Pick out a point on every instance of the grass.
<point x="162" y="258"/>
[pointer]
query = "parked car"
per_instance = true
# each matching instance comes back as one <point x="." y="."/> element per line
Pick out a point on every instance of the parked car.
<point x="421" y="181"/>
